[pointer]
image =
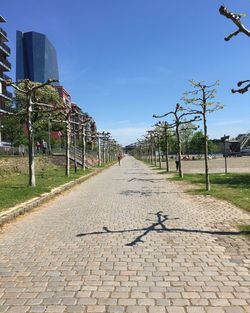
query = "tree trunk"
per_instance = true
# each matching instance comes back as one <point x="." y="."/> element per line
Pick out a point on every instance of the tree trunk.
<point x="75" y="159"/>
<point x="179" y="150"/>
<point x="32" y="178"/>
<point x="83" y="148"/>
<point x="155" y="157"/>
<point x="206" y="151"/>
<point x="99" y="151"/>
<point x="151" y="151"/>
<point x="49" y="136"/>
<point x="159" y="152"/>
<point x="67" y="148"/>
<point x="166" y="151"/>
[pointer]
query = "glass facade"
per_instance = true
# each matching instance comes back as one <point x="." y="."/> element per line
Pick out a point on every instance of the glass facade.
<point x="36" y="57"/>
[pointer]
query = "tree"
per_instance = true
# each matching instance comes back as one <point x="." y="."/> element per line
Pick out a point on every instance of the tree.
<point x="179" y="120"/>
<point x="236" y="19"/>
<point x="165" y="140"/>
<point x="13" y="129"/>
<point x="202" y="97"/>
<point x="186" y="134"/>
<point x="29" y="97"/>
<point x="197" y="143"/>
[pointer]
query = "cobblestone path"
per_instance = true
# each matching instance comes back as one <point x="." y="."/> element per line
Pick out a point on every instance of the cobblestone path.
<point x="126" y="240"/>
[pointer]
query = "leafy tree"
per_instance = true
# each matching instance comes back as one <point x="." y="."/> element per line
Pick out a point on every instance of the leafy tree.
<point x="30" y="97"/>
<point x="197" y="143"/>
<point x="186" y="134"/>
<point x="13" y="129"/>
<point x="202" y="97"/>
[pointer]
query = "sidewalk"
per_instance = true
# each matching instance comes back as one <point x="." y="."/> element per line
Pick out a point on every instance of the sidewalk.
<point x="129" y="241"/>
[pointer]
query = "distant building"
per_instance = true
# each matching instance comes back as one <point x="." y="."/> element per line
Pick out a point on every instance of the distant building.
<point x="64" y="95"/>
<point x="5" y="66"/>
<point x="36" y="57"/>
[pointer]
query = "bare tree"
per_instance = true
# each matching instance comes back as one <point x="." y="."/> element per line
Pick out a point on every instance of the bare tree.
<point x="166" y="132"/>
<point x="236" y="19"/>
<point x="31" y="105"/>
<point x="202" y="96"/>
<point x="179" y="115"/>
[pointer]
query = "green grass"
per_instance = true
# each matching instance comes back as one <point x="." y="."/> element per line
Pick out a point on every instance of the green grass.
<point x="234" y="188"/>
<point x="14" y="188"/>
<point x="245" y="228"/>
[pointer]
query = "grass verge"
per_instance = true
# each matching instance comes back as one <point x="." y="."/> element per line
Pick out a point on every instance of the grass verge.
<point x="233" y="187"/>
<point x="14" y="189"/>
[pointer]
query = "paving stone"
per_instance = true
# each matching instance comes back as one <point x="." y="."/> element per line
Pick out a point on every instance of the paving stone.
<point x="96" y="308"/>
<point x="126" y="241"/>
<point x="157" y="309"/>
<point x="197" y="309"/>
<point x="136" y="308"/>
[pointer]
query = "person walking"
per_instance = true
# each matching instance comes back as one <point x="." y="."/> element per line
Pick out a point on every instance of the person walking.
<point x="44" y="146"/>
<point x="38" y="147"/>
<point x="119" y="157"/>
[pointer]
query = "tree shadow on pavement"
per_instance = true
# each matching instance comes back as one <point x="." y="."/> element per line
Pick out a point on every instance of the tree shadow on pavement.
<point x="160" y="227"/>
<point x="151" y="180"/>
<point x="146" y="193"/>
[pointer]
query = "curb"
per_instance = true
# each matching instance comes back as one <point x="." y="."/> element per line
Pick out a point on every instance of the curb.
<point x="27" y="206"/>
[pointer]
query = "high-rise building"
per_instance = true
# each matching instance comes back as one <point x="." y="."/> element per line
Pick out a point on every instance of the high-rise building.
<point x="5" y="66"/>
<point x="36" y="57"/>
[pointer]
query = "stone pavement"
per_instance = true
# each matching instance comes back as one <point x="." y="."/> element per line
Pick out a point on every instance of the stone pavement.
<point x="129" y="241"/>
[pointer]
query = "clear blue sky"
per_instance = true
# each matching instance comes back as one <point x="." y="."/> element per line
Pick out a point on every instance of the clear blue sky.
<point x="124" y="60"/>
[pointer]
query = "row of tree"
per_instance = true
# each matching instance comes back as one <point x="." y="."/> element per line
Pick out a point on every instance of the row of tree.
<point x="181" y="126"/>
<point x="37" y="107"/>
<point x="197" y="104"/>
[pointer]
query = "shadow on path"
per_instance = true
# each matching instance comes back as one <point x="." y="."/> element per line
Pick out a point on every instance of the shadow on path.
<point x="146" y="193"/>
<point x="153" y="180"/>
<point x="160" y="227"/>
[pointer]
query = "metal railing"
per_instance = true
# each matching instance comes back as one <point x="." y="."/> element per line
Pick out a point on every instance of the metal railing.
<point x="5" y="47"/>
<point x="5" y="63"/>
<point x="3" y="32"/>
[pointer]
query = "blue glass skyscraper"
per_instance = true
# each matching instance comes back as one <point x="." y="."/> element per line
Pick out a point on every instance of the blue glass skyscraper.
<point x="36" y="57"/>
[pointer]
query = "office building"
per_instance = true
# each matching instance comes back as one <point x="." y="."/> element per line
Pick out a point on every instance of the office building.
<point x="36" y="57"/>
<point x="5" y="66"/>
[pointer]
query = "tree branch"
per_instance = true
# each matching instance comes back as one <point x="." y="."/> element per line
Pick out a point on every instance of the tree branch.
<point x="235" y="18"/>
<point x="241" y="90"/>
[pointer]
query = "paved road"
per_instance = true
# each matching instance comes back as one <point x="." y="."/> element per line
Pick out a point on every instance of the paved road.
<point x="126" y="241"/>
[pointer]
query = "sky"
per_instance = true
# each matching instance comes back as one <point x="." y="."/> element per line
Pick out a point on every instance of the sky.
<point x="124" y="60"/>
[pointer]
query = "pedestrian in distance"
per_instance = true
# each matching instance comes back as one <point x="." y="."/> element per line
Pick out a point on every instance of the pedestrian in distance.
<point x="44" y="146"/>
<point x="38" y="147"/>
<point x="22" y="149"/>
<point x="119" y="157"/>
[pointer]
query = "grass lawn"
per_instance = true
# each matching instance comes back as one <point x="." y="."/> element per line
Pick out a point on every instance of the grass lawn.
<point x="234" y="188"/>
<point x="245" y="228"/>
<point x="14" y="188"/>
